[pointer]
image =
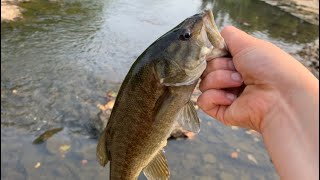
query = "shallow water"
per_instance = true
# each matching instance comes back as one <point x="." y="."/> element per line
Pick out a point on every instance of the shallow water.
<point x="60" y="59"/>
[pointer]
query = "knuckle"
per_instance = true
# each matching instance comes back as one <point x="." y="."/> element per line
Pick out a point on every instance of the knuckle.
<point x="219" y="77"/>
<point x="220" y="63"/>
<point x="215" y="64"/>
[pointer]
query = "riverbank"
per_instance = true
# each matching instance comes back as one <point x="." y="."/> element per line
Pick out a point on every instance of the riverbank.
<point x="309" y="56"/>
<point x="61" y="57"/>
<point x="307" y="10"/>
<point x="10" y="10"/>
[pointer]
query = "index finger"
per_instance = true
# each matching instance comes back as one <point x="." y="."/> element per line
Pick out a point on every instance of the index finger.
<point x="218" y="64"/>
<point x="236" y="39"/>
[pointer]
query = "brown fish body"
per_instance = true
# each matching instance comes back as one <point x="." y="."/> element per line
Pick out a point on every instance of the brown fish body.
<point x="142" y="133"/>
<point x="155" y="92"/>
<point x="139" y="130"/>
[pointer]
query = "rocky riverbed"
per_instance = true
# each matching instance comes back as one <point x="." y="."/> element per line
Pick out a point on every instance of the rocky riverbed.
<point x="61" y="57"/>
<point x="309" y="56"/>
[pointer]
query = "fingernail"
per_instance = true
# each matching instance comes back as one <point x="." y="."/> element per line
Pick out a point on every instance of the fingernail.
<point x="231" y="65"/>
<point x="231" y="96"/>
<point x="236" y="77"/>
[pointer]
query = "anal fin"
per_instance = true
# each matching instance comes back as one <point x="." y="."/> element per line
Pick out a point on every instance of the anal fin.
<point x="102" y="152"/>
<point x="157" y="169"/>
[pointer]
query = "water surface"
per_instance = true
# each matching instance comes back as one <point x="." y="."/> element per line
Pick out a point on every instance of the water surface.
<point x="59" y="61"/>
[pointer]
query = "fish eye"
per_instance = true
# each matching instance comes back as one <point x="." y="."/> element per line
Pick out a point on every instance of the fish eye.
<point x="185" y="35"/>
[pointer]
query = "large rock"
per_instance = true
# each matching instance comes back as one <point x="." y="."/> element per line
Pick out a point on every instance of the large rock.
<point x="10" y="10"/>
<point x="307" y="10"/>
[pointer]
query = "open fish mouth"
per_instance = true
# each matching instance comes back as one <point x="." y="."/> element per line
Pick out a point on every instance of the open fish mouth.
<point x="215" y="45"/>
<point x="212" y="46"/>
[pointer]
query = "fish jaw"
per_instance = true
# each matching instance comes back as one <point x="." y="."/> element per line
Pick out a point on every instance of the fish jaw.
<point x="219" y="47"/>
<point x="214" y="46"/>
<point x="192" y="76"/>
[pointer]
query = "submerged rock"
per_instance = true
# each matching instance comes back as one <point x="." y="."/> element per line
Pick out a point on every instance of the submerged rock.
<point x="209" y="158"/>
<point x="226" y="175"/>
<point x="59" y="144"/>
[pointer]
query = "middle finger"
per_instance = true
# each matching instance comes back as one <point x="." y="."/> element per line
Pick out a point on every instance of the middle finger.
<point x="219" y="63"/>
<point x="221" y="79"/>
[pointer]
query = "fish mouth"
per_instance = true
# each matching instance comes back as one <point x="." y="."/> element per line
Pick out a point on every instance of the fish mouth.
<point x="215" y="45"/>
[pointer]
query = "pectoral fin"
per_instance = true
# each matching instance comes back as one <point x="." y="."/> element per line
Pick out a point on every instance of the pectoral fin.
<point x="157" y="169"/>
<point x="102" y="152"/>
<point x="188" y="118"/>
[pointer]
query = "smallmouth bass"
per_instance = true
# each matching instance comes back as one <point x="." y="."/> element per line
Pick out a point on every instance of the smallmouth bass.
<point x="155" y="95"/>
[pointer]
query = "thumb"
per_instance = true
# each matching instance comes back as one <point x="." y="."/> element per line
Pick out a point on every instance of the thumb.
<point x="236" y="39"/>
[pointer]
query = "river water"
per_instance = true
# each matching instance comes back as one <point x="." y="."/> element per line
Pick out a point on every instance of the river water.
<point x="58" y="62"/>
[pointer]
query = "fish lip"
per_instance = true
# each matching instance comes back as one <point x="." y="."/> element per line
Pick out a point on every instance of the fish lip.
<point x="211" y="29"/>
<point x="208" y="14"/>
<point x="219" y="46"/>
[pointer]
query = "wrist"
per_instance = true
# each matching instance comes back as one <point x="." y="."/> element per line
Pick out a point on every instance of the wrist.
<point x="291" y="134"/>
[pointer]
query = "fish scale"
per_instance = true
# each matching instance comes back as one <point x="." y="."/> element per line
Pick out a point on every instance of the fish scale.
<point x="154" y="96"/>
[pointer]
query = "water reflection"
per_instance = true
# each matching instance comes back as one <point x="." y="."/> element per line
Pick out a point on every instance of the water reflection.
<point x="43" y="62"/>
<point x="51" y="24"/>
<point x="252" y="15"/>
<point x="58" y="62"/>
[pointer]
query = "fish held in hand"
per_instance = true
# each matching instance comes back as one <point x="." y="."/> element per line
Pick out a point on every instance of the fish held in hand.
<point x="155" y="95"/>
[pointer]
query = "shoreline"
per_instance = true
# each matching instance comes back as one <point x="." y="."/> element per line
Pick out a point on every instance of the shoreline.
<point x="307" y="10"/>
<point x="10" y="10"/>
<point x="309" y="57"/>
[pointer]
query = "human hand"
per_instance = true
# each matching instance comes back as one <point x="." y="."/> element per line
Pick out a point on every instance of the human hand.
<point x="263" y="88"/>
<point x="244" y="90"/>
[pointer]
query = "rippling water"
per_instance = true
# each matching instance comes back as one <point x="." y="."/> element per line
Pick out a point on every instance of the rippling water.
<point x="61" y="58"/>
